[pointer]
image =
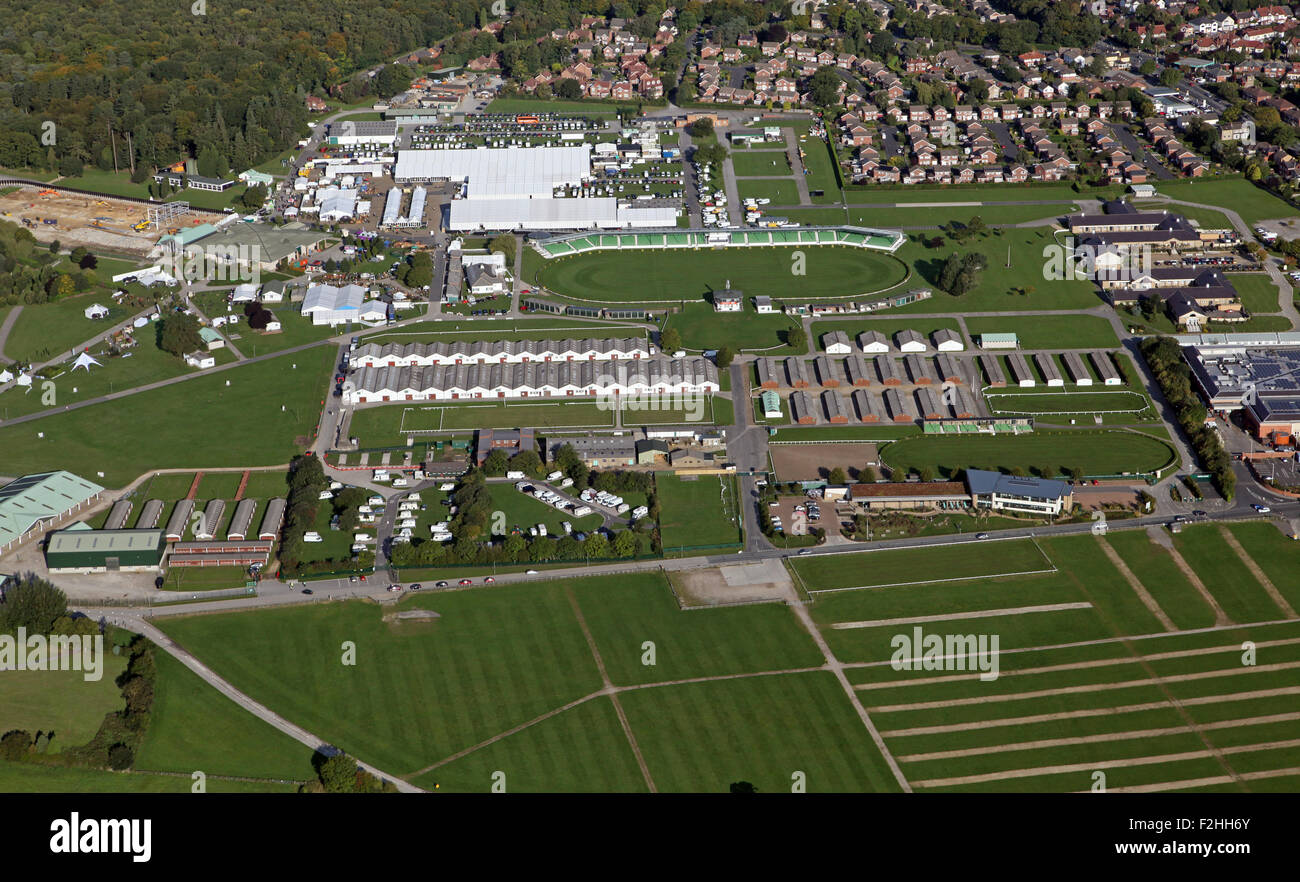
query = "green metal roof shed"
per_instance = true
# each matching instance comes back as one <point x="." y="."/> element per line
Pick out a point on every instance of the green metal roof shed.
<point x="104" y="550"/>
<point x="31" y="500"/>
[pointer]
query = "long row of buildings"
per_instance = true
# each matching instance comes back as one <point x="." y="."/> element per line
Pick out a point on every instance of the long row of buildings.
<point x="553" y="379"/>
<point x="500" y="352"/>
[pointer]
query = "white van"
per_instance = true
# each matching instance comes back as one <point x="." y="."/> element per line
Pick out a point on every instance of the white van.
<point x="312" y="536"/>
<point x="401" y="482"/>
<point x="362" y="537"/>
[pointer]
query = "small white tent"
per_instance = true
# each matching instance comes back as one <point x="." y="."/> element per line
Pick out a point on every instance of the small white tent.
<point x="84" y="361"/>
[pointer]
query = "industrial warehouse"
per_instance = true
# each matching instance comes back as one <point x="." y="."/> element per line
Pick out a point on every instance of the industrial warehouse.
<point x="499" y="352"/>
<point x="1261" y="378"/>
<point x="531" y="380"/>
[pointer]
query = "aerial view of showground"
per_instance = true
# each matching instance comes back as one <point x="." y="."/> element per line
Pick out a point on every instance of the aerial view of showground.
<point x="726" y="398"/>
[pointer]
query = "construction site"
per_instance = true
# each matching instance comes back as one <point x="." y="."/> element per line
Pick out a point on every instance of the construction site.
<point x="103" y="223"/>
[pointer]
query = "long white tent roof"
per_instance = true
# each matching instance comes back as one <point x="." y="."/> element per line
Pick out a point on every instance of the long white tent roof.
<point x="498" y="173"/>
<point x="601" y="213"/>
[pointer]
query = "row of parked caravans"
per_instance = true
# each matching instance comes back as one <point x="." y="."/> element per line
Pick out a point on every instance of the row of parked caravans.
<point x="553" y="499"/>
<point x="606" y="499"/>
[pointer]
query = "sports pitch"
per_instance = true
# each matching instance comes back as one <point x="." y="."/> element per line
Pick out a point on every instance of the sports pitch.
<point x="645" y="275"/>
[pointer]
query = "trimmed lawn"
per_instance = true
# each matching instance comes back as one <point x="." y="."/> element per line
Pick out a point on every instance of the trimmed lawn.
<point x="1242" y="597"/>
<point x="420" y="691"/>
<point x="1276" y="555"/>
<point x="1095" y="452"/>
<point x="703" y="737"/>
<point x="539" y="105"/>
<point x="1253" y="203"/>
<point x="524" y="511"/>
<point x="703" y="328"/>
<point x="673" y="275"/>
<point x="386" y="425"/>
<point x="912" y="216"/>
<point x="1155" y="568"/>
<point x="193" y="726"/>
<point x="1065" y="402"/>
<point x="502" y="329"/>
<point x="582" y="750"/>
<point x="62" y="702"/>
<point x="31" y="778"/>
<point x="780" y="192"/>
<point x="622" y="615"/>
<point x="697" y="511"/>
<point x="749" y="163"/>
<point x="972" y="197"/>
<point x="191" y="423"/>
<point x="44" y="331"/>
<point x="868" y="569"/>
<point x="1258" y="293"/>
<point x="1050" y="331"/>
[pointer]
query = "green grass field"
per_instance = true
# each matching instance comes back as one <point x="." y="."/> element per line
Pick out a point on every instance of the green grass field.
<point x="194" y="727"/>
<point x="759" y="163"/>
<point x="697" y="511"/>
<point x="780" y="192"/>
<point x="62" y="702"/>
<point x="31" y="778"/>
<point x="1258" y="293"/>
<point x="1095" y="452"/>
<point x="1051" y="331"/>
<point x="830" y="572"/>
<point x="180" y="417"/>
<point x="44" y="331"/>
<point x="1065" y="402"/>
<point x="521" y="511"/>
<point x="647" y="275"/>
<point x="702" y="328"/>
<point x="1252" y="203"/>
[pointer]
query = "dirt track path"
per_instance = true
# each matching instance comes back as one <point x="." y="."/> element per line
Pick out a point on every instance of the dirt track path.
<point x="1287" y="609"/>
<point x="1188" y="783"/>
<point x="950" y="617"/>
<point x="1145" y="596"/>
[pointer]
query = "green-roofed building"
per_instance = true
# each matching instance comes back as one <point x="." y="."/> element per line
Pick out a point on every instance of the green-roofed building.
<point x="36" y="502"/>
<point x="102" y="551"/>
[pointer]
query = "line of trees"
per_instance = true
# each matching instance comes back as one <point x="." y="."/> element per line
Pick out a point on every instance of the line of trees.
<point x="1164" y="356"/>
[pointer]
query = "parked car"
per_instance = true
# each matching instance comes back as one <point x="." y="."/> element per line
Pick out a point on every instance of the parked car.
<point x="465" y="582"/>
<point x="981" y="535"/>
<point x="441" y="584"/>
<point x="416" y="586"/>
<point x="489" y="580"/>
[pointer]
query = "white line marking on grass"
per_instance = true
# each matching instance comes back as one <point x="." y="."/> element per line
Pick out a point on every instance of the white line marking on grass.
<point x="1106" y="764"/>
<point x="976" y="614"/>
<point x="1089" y="712"/>
<point x="1188" y="783"/>
<point x="934" y="581"/>
<point x="1092" y="687"/>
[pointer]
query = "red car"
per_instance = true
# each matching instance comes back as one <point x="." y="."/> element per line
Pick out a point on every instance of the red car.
<point x="465" y="582"/>
<point x="489" y="579"/>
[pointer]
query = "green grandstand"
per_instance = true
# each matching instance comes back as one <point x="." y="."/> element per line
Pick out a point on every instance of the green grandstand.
<point x="857" y="237"/>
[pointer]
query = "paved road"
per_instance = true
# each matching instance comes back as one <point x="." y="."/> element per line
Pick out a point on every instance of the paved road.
<point x="261" y="711"/>
<point x="800" y="172"/>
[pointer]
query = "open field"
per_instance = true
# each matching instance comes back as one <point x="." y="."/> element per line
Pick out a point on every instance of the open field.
<point x="697" y="511"/>
<point x="1095" y="452"/>
<point x="1252" y="203"/>
<point x="702" y="328"/>
<point x="62" y="702"/>
<point x="647" y="275"/>
<point x="521" y="512"/>
<point x="31" y="778"/>
<point x="1258" y="293"/>
<point x="250" y="408"/>
<point x="1016" y="402"/>
<point x="781" y="192"/>
<point x="835" y="572"/>
<point x="1051" y="331"/>
<point x="751" y="162"/>
<point x="45" y="330"/>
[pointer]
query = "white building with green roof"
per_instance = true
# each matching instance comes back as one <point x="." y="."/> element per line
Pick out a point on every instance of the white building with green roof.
<point x="36" y="502"/>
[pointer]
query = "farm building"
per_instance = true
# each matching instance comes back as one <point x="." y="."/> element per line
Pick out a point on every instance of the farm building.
<point x="869" y="407"/>
<point x="179" y="521"/>
<point x="797" y="373"/>
<point x="101" y="551"/>
<point x="1078" y="373"/>
<point x="949" y="371"/>
<point x="917" y="370"/>
<point x="1020" y="370"/>
<point x="999" y="341"/>
<point x="498" y="352"/>
<point x="1105" y="368"/>
<point x="963" y="405"/>
<point x="38" y="501"/>
<point x="801" y="409"/>
<point x="947" y="340"/>
<point x="117" y="515"/>
<point x="206" y="527"/>
<point x="271" y="520"/>
<point x="900" y="409"/>
<point x="833" y="404"/>
<point x="149" y="515"/>
<point x="872" y="342"/>
<point x="929" y="407"/>
<point x="908" y="340"/>
<point x="532" y="380"/>
<point x="209" y="553"/>
<point x="771" y="405"/>
<point x="993" y="370"/>
<point x="826" y="373"/>
<point x="242" y="518"/>
<point x="836" y="343"/>
<point x="887" y="370"/>
<point x="859" y="372"/>
<point x="768" y="378"/>
<point x="1047" y="366"/>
